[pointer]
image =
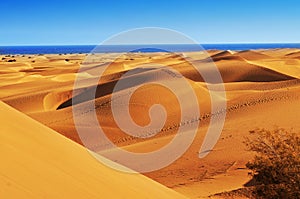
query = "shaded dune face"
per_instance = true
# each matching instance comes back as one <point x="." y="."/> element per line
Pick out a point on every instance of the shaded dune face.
<point x="262" y="86"/>
<point x="240" y="71"/>
<point x="295" y="55"/>
<point x="137" y="77"/>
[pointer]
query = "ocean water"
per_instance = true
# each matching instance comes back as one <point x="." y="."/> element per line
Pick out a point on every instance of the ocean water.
<point x="137" y="48"/>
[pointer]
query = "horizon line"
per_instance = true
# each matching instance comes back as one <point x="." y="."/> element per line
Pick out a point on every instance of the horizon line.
<point x="216" y="43"/>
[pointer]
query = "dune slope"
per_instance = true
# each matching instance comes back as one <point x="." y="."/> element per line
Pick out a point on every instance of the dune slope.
<point x="37" y="162"/>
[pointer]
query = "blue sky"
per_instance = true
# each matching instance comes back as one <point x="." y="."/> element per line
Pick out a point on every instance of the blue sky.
<point x="90" y="22"/>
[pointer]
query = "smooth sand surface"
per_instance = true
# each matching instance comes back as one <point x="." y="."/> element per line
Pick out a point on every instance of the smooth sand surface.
<point x="262" y="91"/>
<point x="37" y="162"/>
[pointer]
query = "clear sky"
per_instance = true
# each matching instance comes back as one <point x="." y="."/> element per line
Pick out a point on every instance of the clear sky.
<point x="55" y="22"/>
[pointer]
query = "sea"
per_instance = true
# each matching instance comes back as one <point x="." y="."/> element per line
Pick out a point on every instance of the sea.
<point x="67" y="49"/>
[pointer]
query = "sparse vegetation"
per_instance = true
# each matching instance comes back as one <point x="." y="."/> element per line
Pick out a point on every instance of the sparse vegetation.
<point x="276" y="166"/>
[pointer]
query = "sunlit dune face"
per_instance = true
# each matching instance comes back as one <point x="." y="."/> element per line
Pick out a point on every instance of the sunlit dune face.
<point x="140" y="104"/>
<point x="148" y="95"/>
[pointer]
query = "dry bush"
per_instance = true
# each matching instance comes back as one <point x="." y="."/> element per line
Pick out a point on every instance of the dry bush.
<point x="276" y="166"/>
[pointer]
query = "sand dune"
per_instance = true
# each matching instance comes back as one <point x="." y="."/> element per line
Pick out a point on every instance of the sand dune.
<point x="288" y="67"/>
<point x="256" y="81"/>
<point x="252" y="55"/>
<point x="226" y="55"/>
<point x="222" y="53"/>
<point x="244" y="71"/>
<point x="295" y="55"/>
<point x="38" y="162"/>
<point x="279" y="52"/>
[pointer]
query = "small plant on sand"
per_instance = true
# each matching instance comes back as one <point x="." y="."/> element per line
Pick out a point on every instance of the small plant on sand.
<point x="276" y="166"/>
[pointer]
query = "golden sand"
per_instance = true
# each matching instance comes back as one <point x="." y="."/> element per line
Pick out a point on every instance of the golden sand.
<point x="262" y="91"/>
